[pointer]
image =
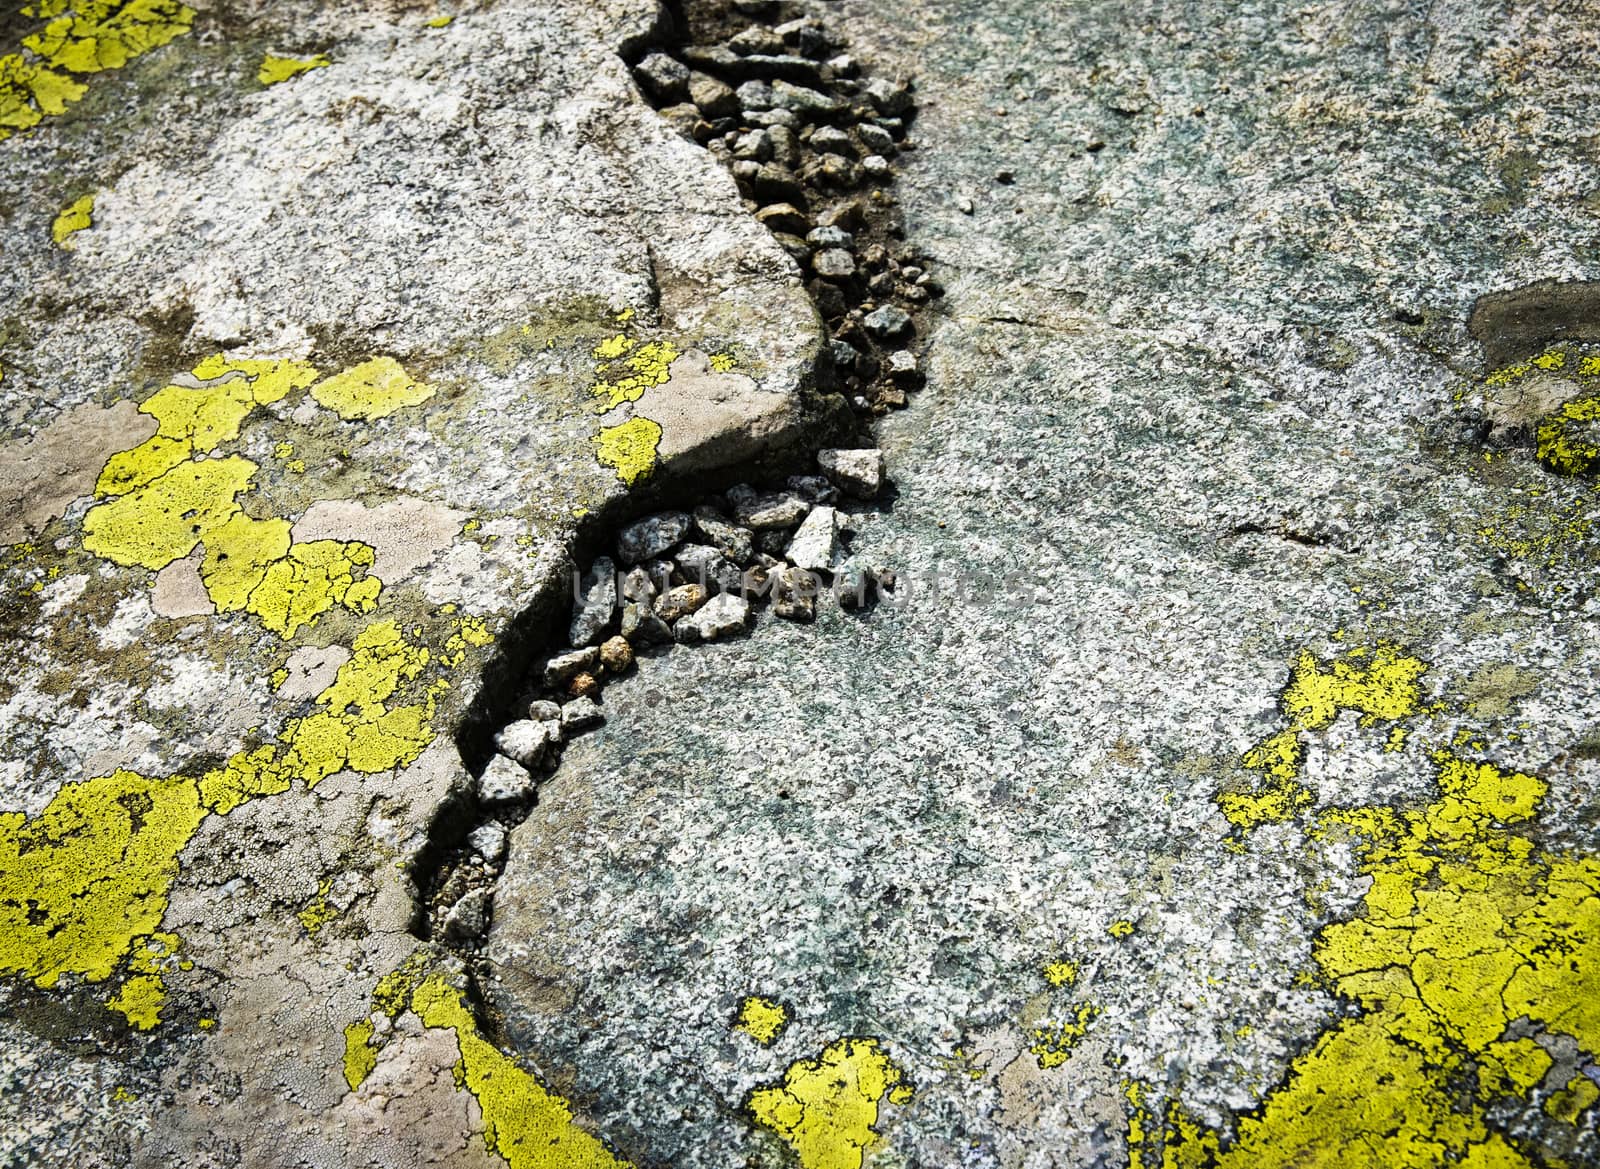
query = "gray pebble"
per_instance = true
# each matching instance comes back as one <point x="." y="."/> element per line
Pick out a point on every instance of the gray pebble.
<point x="652" y="536"/>
<point x="887" y="322"/>
<point x="504" y="782"/>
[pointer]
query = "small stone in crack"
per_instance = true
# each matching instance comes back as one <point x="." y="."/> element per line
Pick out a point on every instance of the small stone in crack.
<point x="722" y="616"/>
<point x="579" y="715"/>
<point x="876" y="139"/>
<point x="766" y="509"/>
<point x="903" y="368"/>
<point x="678" y="602"/>
<point x="542" y="710"/>
<point x="664" y="79"/>
<point x="888" y="322"/>
<point x="583" y="686"/>
<point x="777" y="184"/>
<point x="830" y="237"/>
<point x="834" y="264"/>
<point x="813" y="488"/>
<point x="698" y="562"/>
<point x="730" y="539"/>
<point x="563" y="667"/>
<point x="469" y="917"/>
<point x="593" y="614"/>
<point x="888" y="97"/>
<point x="784" y="217"/>
<point x="756" y="39"/>
<point x="802" y="100"/>
<point x="816" y="543"/>
<point x="755" y="95"/>
<point x="753" y="146"/>
<point x="616" y="655"/>
<point x="488" y="840"/>
<point x="525" y="741"/>
<point x="641" y="626"/>
<point x="855" y="472"/>
<point x="832" y="140"/>
<point x="850" y="582"/>
<point x="638" y="585"/>
<point x="504" y="781"/>
<point x="684" y="118"/>
<point x="713" y="98"/>
<point x="652" y="536"/>
<point x="876" y="166"/>
<point x="795" y="594"/>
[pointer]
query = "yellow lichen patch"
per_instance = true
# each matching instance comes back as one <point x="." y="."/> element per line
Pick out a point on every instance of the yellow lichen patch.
<point x="1572" y="1101"/>
<point x="275" y="69"/>
<point x="317" y="912"/>
<point x="440" y="21"/>
<point x="74" y="217"/>
<point x="373" y="389"/>
<point x="90" y="874"/>
<point x="29" y="93"/>
<point x="1053" y="1043"/>
<point x="762" y="1019"/>
<point x="1466" y="930"/>
<point x="826" y="1108"/>
<point x="310" y="579"/>
<point x="629" y="448"/>
<point x="525" y="1124"/>
<point x="140" y="1000"/>
<point x="82" y="36"/>
<point x="646" y="365"/>
<point x="1569" y="438"/>
<point x="1061" y="974"/>
<point x="164" y="520"/>
<point x="359" y="1055"/>
<point x="1120" y="929"/>
<point x="197" y="420"/>
<point x="84" y="884"/>
<point x="723" y="362"/>
<point x="1379" y="683"/>
<point x="356" y="729"/>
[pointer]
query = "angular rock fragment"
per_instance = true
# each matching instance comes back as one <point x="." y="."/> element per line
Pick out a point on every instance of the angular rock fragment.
<point x="888" y="97"/>
<point x="855" y="472"/>
<point x="664" y="79"/>
<point x="888" y="322"/>
<point x="616" y="655"/>
<point x="727" y="537"/>
<point x="794" y="594"/>
<point x="596" y="609"/>
<point x="525" y="741"/>
<point x="816" y="541"/>
<point x="504" y="781"/>
<point x="469" y="917"/>
<point x="652" y="536"/>
<point x="711" y="97"/>
<point x="724" y="615"/>
<point x="679" y="601"/>
<point x="564" y="667"/>
<point x="488" y="840"/>
<point x="766" y="509"/>
<point x="641" y="626"/>
<point x="580" y="714"/>
<point x="542" y="710"/>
